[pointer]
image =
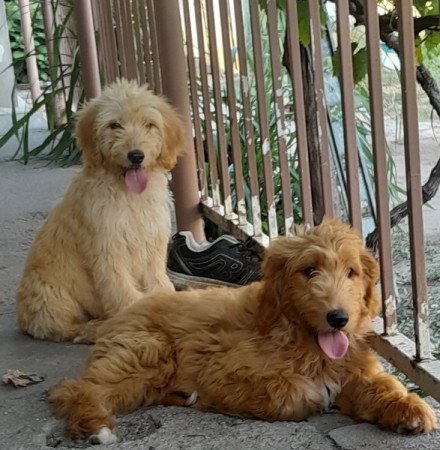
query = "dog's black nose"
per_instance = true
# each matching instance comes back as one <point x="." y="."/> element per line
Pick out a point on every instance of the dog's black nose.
<point x="337" y="318"/>
<point x="135" y="156"/>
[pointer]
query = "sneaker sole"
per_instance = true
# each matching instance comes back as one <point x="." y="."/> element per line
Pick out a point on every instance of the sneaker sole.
<point x="182" y="281"/>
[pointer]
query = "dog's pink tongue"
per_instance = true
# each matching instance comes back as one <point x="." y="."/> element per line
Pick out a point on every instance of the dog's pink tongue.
<point x="136" y="180"/>
<point x="333" y="344"/>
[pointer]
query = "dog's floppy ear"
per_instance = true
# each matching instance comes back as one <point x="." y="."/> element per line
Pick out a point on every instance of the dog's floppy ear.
<point x="270" y="306"/>
<point x="85" y="134"/>
<point x="173" y="139"/>
<point x="370" y="273"/>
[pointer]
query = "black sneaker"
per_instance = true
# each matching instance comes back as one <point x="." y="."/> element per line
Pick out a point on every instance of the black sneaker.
<point x="225" y="262"/>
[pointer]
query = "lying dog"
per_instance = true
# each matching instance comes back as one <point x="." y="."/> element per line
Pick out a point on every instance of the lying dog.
<point x="284" y="348"/>
<point x="104" y="246"/>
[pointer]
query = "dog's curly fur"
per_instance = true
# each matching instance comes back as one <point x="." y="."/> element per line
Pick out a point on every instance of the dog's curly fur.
<point x="250" y="351"/>
<point x="103" y="247"/>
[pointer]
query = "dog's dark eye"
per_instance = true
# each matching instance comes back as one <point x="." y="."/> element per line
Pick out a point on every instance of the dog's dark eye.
<point x="309" y="272"/>
<point x="351" y="273"/>
<point x="115" y="126"/>
<point x="147" y="125"/>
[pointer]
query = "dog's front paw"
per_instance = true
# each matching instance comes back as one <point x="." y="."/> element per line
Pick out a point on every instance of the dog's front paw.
<point x="409" y="415"/>
<point x="103" y="436"/>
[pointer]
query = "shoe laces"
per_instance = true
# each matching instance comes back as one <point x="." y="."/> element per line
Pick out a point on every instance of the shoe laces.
<point x="247" y="247"/>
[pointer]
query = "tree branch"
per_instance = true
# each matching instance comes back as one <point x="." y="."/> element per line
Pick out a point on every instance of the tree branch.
<point x="399" y="212"/>
<point x="389" y="23"/>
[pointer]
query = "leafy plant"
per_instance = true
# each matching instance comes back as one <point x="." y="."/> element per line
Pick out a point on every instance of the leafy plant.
<point x="17" y="41"/>
<point x="65" y="84"/>
<point x="363" y="126"/>
<point x="428" y="40"/>
<point x="362" y="123"/>
<point x="59" y="146"/>
<point x="272" y="137"/>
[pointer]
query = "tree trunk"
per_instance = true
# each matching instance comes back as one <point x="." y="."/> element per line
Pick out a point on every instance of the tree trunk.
<point x="312" y="126"/>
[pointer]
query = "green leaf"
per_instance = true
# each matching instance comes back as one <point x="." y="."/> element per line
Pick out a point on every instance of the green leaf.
<point x="359" y="65"/>
<point x="426" y="7"/>
<point x="303" y="23"/>
<point x="432" y="41"/>
<point x="18" y="54"/>
<point x="41" y="49"/>
<point x="359" y="60"/>
<point x="281" y="5"/>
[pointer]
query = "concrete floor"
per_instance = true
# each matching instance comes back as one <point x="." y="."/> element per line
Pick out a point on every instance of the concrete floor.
<point x="26" y="194"/>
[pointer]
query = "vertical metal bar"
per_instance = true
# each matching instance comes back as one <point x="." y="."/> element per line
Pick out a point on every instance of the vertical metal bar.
<point x="300" y="117"/>
<point x="413" y="178"/>
<point x="154" y="47"/>
<point x="110" y="53"/>
<point x="59" y="103"/>
<point x="232" y="107"/>
<point x="247" y="120"/>
<point x="49" y="30"/>
<point x="195" y="103"/>
<point x="174" y="84"/>
<point x="215" y="73"/>
<point x="29" y="48"/>
<point x="99" y="36"/>
<point x="380" y="171"/>
<point x="120" y="38"/>
<point x="140" y="58"/>
<point x="68" y="41"/>
<point x="316" y="38"/>
<point x="348" y="116"/>
<point x="263" y="119"/>
<point x="215" y="182"/>
<point x="87" y="48"/>
<point x="146" y="44"/>
<point x="127" y="39"/>
<point x="102" y="39"/>
<point x="274" y="50"/>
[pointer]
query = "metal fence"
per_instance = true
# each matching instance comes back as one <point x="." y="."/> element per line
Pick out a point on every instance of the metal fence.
<point x="257" y="79"/>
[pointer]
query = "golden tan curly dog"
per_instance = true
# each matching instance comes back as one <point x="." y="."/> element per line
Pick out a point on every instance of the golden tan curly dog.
<point x="104" y="246"/>
<point x="283" y="348"/>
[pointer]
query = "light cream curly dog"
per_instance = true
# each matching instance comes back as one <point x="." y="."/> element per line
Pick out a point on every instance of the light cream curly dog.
<point x="104" y="246"/>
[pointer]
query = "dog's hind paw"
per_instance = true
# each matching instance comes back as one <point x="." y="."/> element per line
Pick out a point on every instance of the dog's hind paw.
<point x="104" y="436"/>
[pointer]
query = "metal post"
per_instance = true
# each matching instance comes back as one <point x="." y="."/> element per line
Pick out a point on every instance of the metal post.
<point x="87" y="47"/>
<point x="175" y="88"/>
<point x="49" y="30"/>
<point x="58" y="103"/>
<point x="413" y="179"/>
<point x="29" y="47"/>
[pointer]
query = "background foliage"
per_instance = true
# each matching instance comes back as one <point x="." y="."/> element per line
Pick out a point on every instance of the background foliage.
<point x="17" y="41"/>
<point x="62" y="92"/>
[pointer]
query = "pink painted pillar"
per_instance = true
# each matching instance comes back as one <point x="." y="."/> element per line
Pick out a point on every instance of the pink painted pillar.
<point x="29" y="48"/>
<point x="87" y="48"/>
<point x="175" y="88"/>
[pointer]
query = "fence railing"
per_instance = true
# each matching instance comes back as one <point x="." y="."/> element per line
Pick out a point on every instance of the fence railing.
<point x="266" y="128"/>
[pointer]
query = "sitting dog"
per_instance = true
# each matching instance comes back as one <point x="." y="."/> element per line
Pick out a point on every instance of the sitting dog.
<point x="283" y="348"/>
<point x="104" y="246"/>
